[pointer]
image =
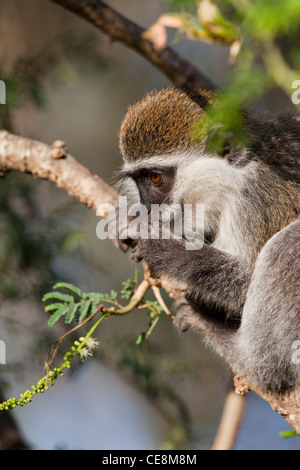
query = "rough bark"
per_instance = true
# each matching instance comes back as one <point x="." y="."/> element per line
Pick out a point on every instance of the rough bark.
<point x="55" y="164"/>
<point x="286" y="403"/>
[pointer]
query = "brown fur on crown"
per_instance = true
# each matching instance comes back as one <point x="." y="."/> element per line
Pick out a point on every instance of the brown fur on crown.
<point x="160" y="123"/>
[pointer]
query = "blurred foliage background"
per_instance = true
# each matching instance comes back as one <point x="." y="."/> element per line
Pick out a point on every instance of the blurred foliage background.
<point x="66" y="80"/>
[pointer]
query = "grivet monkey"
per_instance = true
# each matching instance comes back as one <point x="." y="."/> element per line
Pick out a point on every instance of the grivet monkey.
<point x="243" y="284"/>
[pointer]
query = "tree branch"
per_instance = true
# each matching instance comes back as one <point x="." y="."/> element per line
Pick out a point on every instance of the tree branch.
<point x="179" y="71"/>
<point x="55" y="164"/>
<point x="287" y="403"/>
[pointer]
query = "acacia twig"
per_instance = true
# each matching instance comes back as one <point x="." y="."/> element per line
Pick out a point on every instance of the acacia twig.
<point x="11" y="437"/>
<point x="180" y="72"/>
<point x="135" y="300"/>
<point x="54" y="347"/>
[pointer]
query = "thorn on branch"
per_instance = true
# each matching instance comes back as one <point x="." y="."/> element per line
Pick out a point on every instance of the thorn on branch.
<point x="59" y="150"/>
<point x="240" y="387"/>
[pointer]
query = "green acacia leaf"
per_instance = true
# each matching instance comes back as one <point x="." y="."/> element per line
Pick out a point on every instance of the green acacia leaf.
<point x="113" y="294"/>
<point x="71" y="312"/>
<point x="289" y="433"/>
<point x="93" y="296"/>
<point x="54" y="306"/>
<point x="58" y="296"/>
<point x="141" y="338"/>
<point x="68" y="286"/>
<point x="84" y="308"/>
<point x="58" y="314"/>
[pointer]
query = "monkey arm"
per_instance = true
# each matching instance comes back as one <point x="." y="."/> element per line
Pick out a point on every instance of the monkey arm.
<point x="210" y="275"/>
<point x="218" y="330"/>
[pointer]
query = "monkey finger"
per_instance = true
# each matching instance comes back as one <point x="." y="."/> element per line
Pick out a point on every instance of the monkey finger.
<point x="136" y="255"/>
<point x="182" y="311"/>
<point x="122" y="245"/>
<point x="183" y="324"/>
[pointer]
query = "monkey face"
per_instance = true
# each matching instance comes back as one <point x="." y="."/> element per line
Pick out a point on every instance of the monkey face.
<point x="154" y="184"/>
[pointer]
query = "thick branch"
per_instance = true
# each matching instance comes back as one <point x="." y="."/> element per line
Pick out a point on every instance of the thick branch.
<point x="179" y="71"/>
<point x="287" y="403"/>
<point x="39" y="159"/>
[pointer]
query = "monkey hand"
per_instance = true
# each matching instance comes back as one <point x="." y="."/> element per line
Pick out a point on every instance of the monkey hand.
<point x="118" y="228"/>
<point x="150" y="251"/>
<point x="184" y="314"/>
<point x="155" y="252"/>
<point x="136" y="254"/>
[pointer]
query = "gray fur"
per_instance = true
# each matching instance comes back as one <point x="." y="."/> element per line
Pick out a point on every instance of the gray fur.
<point x="243" y="284"/>
<point x="243" y="296"/>
<point x="271" y="315"/>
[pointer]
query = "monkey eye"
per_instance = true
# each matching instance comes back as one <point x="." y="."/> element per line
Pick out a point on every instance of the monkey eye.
<point x="156" y="178"/>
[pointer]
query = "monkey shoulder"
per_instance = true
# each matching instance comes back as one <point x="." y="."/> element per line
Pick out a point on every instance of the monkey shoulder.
<point x="275" y="142"/>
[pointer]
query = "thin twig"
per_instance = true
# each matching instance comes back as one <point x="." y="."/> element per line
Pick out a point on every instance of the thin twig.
<point x="53" y="349"/>
<point x="160" y="300"/>
<point x="135" y="300"/>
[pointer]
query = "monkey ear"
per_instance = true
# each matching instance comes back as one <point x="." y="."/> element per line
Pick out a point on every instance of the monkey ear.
<point x="225" y="144"/>
<point x="229" y="152"/>
<point x="219" y="141"/>
<point x="124" y="245"/>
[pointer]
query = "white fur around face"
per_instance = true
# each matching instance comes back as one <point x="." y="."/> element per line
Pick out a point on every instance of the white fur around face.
<point x="218" y="185"/>
<point x="128" y="188"/>
<point x="177" y="159"/>
<point x="208" y="180"/>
